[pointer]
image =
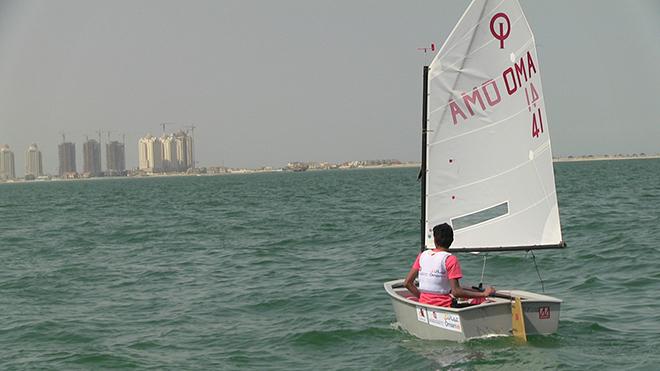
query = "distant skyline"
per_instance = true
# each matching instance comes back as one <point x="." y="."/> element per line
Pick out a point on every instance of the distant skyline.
<point x="266" y="83"/>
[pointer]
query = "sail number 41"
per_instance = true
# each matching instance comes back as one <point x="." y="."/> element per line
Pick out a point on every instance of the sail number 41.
<point x="537" y="123"/>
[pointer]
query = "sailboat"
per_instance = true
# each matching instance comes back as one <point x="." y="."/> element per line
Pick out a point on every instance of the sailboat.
<point x="486" y="169"/>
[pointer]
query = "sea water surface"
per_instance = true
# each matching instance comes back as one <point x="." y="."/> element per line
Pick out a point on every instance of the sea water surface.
<point x="285" y="271"/>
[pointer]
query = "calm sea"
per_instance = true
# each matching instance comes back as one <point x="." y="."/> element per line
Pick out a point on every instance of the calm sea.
<point x="285" y="271"/>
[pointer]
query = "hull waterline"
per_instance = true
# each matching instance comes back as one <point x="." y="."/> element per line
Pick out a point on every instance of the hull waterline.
<point x="429" y="322"/>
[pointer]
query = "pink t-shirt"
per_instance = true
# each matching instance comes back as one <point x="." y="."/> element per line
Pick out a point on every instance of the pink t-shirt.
<point x="453" y="272"/>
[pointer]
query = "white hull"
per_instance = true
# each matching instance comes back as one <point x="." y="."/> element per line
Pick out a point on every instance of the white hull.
<point x="459" y="324"/>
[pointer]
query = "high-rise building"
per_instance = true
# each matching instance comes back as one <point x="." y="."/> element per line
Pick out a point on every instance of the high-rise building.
<point x="143" y="161"/>
<point x="92" y="157"/>
<point x="184" y="150"/>
<point x="170" y="152"/>
<point x="170" y="162"/>
<point x="150" y="154"/>
<point x="67" y="157"/>
<point x="115" y="156"/>
<point x="191" y="158"/>
<point x="33" y="161"/>
<point x="7" y="170"/>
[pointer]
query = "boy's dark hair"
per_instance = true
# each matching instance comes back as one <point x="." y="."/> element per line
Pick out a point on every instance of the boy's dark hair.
<point x="443" y="235"/>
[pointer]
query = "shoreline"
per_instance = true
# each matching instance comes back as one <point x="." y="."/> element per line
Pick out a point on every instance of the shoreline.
<point x="604" y="158"/>
<point x="364" y="167"/>
<point x="229" y="173"/>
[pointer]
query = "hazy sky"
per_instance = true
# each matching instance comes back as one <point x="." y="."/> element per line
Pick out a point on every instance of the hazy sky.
<point x="267" y="82"/>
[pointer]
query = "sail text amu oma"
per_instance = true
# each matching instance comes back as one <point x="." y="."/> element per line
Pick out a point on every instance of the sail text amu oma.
<point x="489" y="92"/>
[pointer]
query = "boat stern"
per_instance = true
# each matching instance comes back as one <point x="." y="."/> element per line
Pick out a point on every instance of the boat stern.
<point x="541" y="312"/>
<point x="429" y="322"/>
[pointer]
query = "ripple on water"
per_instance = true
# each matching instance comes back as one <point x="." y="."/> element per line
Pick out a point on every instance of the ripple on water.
<point x="285" y="271"/>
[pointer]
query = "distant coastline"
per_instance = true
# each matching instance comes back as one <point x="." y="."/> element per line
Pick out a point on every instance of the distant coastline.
<point x="389" y="164"/>
<point x="221" y="170"/>
<point x="641" y="156"/>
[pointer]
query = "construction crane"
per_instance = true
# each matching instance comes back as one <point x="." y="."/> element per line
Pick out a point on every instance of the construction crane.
<point x="63" y="134"/>
<point x="192" y="129"/>
<point x="166" y="124"/>
<point x="99" y="132"/>
<point x="109" y="132"/>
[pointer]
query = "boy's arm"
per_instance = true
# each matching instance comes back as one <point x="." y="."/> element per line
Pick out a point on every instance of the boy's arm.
<point x="409" y="282"/>
<point x="461" y="292"/>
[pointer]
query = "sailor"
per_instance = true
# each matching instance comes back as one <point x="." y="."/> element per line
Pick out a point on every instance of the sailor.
<point x="439" y="273"/>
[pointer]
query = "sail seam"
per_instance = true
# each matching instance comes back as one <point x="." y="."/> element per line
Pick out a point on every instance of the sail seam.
<point x="469" y="32"/>
<point x="525" y="45"/>
<point x="494" y="176"/>
<point x="538" y="176"/>
<point x="483" y="127"/>
<point x="508" y="216"/>
<point x="479" y="48"/>
<point x="428" y="148"/>
<point x="464" y="60"/>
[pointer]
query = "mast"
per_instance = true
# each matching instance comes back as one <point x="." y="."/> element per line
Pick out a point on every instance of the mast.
<point x="422" y="171"/>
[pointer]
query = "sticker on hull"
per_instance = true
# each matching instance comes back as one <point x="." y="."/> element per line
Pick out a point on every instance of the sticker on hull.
<point x="422" y="315"/>
<point x="448" y="321"/>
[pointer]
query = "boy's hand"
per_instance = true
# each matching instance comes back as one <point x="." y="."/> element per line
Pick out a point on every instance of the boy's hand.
<point x="489" y="291"/>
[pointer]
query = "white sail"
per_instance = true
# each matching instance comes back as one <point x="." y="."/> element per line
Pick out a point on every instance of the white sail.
<point x="489" y="162"/>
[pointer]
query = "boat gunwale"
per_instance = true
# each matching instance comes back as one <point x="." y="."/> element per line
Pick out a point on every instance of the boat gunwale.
<point x="390" y="287"/>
